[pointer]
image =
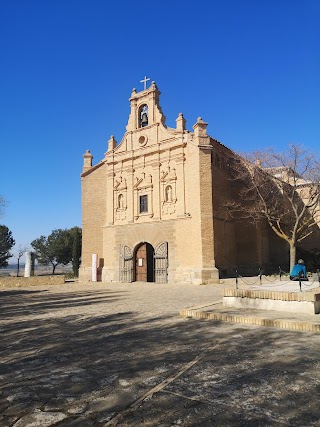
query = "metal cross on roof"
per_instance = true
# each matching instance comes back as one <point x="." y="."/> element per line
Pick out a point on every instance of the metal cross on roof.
<point x="144" y="81"/>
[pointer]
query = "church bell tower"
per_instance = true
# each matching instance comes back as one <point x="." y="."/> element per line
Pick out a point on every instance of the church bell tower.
<point x="145" y="108"/>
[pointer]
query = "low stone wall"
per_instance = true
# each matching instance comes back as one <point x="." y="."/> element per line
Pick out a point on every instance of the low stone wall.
<point x="32" y="281"/>
<point x="275" y="295"/>
<point x="296" y="302"/>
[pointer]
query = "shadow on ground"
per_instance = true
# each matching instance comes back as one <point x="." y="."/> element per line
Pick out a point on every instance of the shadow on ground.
<point x="73" y="354"/>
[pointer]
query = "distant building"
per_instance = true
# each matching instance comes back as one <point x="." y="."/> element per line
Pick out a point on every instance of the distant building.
<point x="152" y="206"/>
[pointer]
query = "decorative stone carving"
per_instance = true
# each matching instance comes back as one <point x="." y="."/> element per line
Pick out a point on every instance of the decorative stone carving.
<point x="168" y="191"/>
<point x="143" y="139"/>
<point x="120" y="198"/>
<point x="168" y="194"/>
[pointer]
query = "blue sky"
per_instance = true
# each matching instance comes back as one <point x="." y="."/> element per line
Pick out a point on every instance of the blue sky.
<point x="250" y="68"/>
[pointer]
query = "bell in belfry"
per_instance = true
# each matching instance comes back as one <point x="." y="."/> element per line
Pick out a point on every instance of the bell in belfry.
<point x="144" y="116"/>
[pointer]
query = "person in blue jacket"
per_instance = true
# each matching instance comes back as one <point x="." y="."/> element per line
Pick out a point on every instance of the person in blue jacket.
<point x="299" y="269"/>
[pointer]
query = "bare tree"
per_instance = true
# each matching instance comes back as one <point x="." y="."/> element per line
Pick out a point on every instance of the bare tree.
<point x="283" y="188"/>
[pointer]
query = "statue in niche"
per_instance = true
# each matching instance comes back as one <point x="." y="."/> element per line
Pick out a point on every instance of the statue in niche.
<point x="120" y="201"/>
<point x="144" y="116"/>
<point x="169" y="193"/>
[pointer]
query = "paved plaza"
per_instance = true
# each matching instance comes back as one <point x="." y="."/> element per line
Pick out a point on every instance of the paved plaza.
<point x="80" y="355"/>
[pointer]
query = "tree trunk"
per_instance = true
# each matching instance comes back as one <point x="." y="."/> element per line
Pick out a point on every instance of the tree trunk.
<point x="18" y="267"/>
<point x="293" y="251"/>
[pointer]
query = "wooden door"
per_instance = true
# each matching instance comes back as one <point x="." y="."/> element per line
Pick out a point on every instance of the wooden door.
<point x="141" y="263"/>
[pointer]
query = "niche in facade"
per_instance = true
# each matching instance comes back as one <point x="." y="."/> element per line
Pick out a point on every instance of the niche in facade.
<point x="143" y="116"/>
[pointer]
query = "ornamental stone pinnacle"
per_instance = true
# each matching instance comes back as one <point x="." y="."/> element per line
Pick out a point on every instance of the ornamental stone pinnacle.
<point x="200" y="131"/>
<point x="87" y="161"/>
<point x="181" y="123"/>
<point x="112" y="143"/>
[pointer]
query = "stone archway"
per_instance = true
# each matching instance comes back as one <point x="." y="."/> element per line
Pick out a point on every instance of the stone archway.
<point x="144" y="263"/>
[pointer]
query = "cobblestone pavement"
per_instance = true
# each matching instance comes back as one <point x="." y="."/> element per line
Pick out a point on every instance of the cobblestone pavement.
<point x="115" y="354"/>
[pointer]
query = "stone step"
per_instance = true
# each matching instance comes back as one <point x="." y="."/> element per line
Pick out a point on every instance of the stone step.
<point x="283" y="320"/>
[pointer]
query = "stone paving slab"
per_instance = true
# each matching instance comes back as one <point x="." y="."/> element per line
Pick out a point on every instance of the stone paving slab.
<point x="106" y="355"/>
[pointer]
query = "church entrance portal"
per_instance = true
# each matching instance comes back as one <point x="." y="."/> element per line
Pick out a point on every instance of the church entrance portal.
<point x="144" y="264"/>
<point x="144" y="268"/>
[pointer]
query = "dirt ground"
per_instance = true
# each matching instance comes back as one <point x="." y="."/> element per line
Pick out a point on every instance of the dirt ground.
<point x="119" y="355"/>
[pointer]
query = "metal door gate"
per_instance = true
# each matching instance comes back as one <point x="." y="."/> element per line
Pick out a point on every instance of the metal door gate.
<point x="126" y="264"/>
<point x="161" y="263"/>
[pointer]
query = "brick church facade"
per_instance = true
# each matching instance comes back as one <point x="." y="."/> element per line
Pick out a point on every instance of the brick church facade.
<point x="152" y="207"/>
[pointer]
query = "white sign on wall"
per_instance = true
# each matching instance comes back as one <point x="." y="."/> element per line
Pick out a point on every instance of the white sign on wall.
<point x="94" y="267"/>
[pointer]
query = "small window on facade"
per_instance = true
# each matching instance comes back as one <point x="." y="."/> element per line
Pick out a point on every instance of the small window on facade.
<point x="143" y="203"/>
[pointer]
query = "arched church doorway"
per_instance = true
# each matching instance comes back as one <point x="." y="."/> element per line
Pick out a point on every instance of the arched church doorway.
<point x="144" y="263"/>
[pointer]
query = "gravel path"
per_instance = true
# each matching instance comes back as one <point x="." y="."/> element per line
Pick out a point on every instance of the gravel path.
<point x="118" y="354"/>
